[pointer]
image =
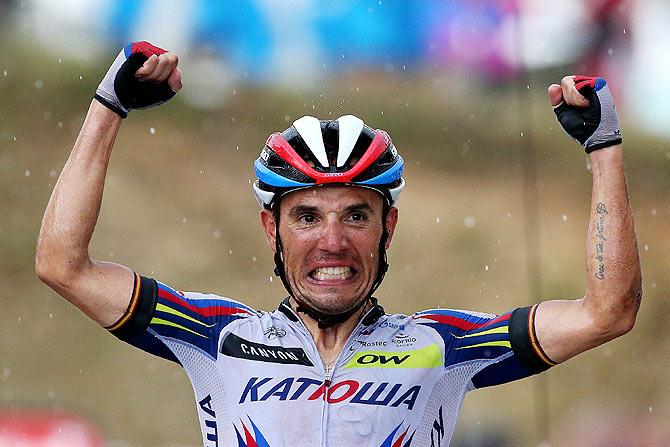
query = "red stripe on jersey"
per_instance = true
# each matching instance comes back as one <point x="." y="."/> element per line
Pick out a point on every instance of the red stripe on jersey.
<point x="462" y="323"/>
<point x="210" y="311"/>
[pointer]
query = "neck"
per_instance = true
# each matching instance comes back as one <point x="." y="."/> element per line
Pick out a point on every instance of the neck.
<point x="330" y="340"/>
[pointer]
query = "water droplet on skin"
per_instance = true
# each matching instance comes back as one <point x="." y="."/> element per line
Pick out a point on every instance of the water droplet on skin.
<point x="152" y="131"/>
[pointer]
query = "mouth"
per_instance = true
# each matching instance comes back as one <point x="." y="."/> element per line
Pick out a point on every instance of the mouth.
<point x="332" y="275"/>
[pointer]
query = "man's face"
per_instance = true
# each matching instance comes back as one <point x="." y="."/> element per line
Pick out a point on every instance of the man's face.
<point x="330" y="238"/>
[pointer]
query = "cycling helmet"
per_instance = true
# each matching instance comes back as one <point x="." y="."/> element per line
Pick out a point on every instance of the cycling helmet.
<point x="313" y="153"/>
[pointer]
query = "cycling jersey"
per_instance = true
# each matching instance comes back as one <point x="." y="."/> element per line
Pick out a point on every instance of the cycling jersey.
<point x="259" y="381"/>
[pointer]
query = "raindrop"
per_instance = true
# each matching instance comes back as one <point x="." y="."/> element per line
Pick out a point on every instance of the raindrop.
<point x="81" y="77"/>
<point x="183" y="220"/>
<point x="6" y="372"/>
<point x="60" y="124"/>
<point x="486" y="267"/>
<point x="51" y="394"/>
<point x="230" y="252"/>
<point x="564" y="217"/>
<point x="521" y="133"/>
<point x="27" y="172"/>
<point x="51" y="315"/>
<point x="270" y="278"/>
<point x="39" y="84"/>
<point x="437" y="220"/>
<point x="60" y="60"/>
<point x="509" y="215"/>
<point x="14" y="138"/>
<point x="216" y="234"/>
<point x="654" y="212"/>
<point x="650" y="409"/>
<point x="646" y="247"/>
<point x="624" y="30"/>
<point x="152" y="131"/>
<point x="469" y="222"/>
<point x="4" y="73"/>
<point x="610" y="51"/>
<point x="253" y="258"/>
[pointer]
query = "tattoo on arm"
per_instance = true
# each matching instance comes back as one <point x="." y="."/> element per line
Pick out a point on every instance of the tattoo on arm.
<point x="601" y="210"/>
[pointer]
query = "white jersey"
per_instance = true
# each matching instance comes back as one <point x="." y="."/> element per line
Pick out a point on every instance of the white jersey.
<point x="259" y="381"/>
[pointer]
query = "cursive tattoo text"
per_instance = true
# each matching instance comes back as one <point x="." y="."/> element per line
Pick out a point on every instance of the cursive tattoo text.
<point x="601" y="210"/>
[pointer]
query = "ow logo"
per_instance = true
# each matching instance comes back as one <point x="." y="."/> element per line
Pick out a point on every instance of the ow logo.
<point x="370" y="359"/>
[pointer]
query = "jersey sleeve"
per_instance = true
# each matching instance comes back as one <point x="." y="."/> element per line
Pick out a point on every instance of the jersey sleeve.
<point x="157" y="312"/>
<point x="505" y="345"/>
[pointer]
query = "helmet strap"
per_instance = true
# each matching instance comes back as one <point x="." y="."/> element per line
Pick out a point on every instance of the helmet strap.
<point x="325" y="320"/>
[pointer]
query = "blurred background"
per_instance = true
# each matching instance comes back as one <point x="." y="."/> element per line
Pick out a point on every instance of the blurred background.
<point x="494" y="215"/>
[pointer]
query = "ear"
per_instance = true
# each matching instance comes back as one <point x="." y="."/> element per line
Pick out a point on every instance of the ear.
<point x="270" y="228"/>
<point x="391" y="222"/>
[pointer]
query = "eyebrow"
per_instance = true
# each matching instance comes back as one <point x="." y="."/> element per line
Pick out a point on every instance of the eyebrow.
<point x="307" y="209"/>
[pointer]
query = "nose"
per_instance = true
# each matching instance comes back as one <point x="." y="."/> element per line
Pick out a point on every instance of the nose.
<point x="333" y="238"/>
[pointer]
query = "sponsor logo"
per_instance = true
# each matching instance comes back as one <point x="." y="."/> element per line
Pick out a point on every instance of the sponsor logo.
<point x="371" y="344"/>
<point x="403" y="339"/>
<point x="211" y="430"/>
<point x="427" y="357"/>
<point x="265" y="155"/>
<point x="235" y="346"/>
<point x="392" y="325"/>
<point x="272" y="332"/>
<point x="351" y="391"/>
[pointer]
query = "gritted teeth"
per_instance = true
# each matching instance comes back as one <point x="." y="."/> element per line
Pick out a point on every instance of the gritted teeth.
<point x="340" y="272"/>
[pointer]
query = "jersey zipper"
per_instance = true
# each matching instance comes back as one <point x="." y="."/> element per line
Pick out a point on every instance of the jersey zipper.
<point x="328" y="371"/>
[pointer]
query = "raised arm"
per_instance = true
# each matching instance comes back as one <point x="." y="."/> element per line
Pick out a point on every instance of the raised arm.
<point x="614" y="285"/>
<point x="141" y="76"/>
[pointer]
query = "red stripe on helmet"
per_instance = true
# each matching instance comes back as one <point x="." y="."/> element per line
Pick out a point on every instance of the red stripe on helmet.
<point x="379" y="144"/>
<point x="278" y="143"/>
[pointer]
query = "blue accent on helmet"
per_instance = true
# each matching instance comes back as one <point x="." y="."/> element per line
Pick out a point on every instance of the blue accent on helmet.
<point x="128" y="49"/>
<point x="387" y="177"/>
<point x="273" y="179"/>
<point x="600" y="83"/>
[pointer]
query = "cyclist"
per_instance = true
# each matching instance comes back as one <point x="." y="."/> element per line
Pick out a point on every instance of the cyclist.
<point x="329" y="366"/>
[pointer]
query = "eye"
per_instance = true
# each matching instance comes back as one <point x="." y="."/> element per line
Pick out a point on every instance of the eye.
<point x="307" y="218"/>
<point x="358" y="217"/>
